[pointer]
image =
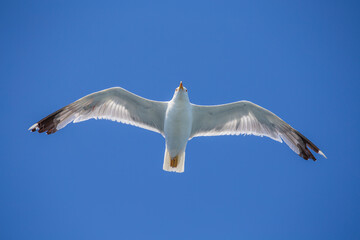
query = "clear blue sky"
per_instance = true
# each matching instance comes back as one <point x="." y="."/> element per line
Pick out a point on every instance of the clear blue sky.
<point x="104" y="180"/>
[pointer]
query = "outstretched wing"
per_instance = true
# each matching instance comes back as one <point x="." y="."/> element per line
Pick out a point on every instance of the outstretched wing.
<point x="115" y="104"/>
<point x="248" y="118"/>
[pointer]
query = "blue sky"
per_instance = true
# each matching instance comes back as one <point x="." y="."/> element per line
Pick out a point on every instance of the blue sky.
<point x="104" y="180"/>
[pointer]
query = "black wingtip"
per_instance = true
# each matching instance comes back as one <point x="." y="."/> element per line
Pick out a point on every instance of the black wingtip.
<point x="47" y="124"/>
<point x="304" y="151"/>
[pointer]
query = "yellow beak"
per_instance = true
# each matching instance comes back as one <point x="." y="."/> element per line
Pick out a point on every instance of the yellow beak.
<point x="181" y="86"/>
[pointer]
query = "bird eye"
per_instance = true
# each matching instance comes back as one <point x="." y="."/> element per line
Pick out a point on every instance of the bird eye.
<point x="186" y="90"/>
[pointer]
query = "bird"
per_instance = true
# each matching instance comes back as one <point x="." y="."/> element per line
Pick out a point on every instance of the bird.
<point x="178" y="121"/>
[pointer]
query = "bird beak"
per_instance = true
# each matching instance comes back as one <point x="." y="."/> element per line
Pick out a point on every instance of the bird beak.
<point x="181" y="86"/>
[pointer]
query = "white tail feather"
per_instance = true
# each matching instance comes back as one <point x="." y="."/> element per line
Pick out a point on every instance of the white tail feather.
<point x="180" y="165"/>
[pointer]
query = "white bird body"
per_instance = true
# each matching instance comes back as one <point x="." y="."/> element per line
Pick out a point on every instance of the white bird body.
<point x="178" y="121"/>
<point x="177" y="130"/>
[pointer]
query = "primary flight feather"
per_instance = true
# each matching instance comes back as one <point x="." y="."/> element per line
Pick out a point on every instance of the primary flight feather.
<point x="178" y="121"/>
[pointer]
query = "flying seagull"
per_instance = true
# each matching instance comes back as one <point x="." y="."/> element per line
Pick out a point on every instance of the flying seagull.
<point x="178" y="121"/>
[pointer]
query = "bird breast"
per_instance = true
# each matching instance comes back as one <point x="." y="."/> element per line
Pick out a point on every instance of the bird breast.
<point x="178" y="124"/>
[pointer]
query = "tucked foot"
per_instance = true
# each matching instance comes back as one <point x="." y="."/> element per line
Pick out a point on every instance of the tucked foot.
<point x="174" y="162"/>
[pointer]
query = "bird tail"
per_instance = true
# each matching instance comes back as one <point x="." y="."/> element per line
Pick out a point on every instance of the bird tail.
<point x="175" y="164"/>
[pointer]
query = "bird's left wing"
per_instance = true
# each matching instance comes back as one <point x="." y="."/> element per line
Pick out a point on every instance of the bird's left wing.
<point x="248" y="118"/>
<point x="115" y="104"/>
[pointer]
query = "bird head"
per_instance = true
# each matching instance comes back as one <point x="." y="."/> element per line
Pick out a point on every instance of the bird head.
<point x="181" y="92"/>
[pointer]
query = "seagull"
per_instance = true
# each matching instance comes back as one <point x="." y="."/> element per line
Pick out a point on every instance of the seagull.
<point x="178" y="121"/>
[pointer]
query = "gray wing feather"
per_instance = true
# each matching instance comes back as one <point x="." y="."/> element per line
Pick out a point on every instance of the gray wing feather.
<point x="114" y="104"/>
<point x="248" y="118"/>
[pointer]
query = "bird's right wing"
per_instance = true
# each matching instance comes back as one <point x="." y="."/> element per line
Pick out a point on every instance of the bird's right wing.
<point x="248" y="118"/>
<point x="115" y="104"/>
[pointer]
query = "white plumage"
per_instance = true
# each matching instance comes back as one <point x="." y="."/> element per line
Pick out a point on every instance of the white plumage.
<point x="178" y="120"/>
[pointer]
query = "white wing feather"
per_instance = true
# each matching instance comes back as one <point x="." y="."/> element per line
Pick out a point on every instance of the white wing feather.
<point x="114" y="104"/>
<point x="248" y="118"/>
